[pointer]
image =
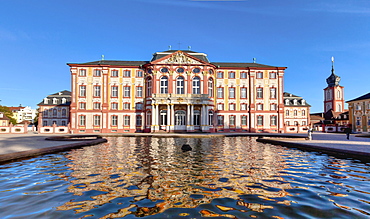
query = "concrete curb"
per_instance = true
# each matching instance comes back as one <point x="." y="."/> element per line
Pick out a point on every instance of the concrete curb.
<point x="4" y="158"/>
<point x="340" y="153"/>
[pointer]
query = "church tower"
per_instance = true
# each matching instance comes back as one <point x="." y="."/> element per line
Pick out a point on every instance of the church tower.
<point x="333" y="93"/>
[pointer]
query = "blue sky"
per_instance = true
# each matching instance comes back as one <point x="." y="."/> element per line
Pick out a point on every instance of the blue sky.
<point x="38" y="38"/>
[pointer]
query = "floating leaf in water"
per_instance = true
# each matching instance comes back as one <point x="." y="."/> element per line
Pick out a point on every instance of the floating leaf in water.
<point x="224" y="208"/>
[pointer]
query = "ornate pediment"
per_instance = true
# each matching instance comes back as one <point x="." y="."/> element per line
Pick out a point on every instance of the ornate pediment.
<point x="179" y="58"/>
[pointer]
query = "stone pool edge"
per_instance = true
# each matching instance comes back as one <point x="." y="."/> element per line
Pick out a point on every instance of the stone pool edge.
<point x="340" y="153"/>
<point x="10" y="157"/>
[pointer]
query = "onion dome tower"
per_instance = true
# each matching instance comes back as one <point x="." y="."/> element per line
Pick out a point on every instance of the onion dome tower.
<point x="333" y="93"/>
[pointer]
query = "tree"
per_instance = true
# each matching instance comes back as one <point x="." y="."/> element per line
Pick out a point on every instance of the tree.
<point x="8" y="113"/>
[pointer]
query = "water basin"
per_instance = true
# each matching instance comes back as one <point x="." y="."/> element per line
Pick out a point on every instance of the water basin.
<point x="231" y="177"/>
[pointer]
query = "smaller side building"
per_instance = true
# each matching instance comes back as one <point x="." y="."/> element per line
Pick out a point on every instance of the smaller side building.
<point x="54" y="113"/>
<point x="359" y="113"/>
<point x="297" y="114"/>
<point x="4" y="120"/>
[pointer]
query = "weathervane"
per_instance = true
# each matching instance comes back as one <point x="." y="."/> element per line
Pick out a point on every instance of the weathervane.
<point x="332" y="64"/>
<point x="254" y="60"/>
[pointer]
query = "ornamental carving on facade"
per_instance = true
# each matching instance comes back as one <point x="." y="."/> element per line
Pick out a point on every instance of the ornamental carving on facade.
<point x="180" y="58"/>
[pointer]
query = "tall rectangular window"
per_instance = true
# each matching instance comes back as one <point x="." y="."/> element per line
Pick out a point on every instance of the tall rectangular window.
<point x="358" y="121"/>
<point x="259" y="92"/>
<point x="114" y="120"/>
<point x="139" y="120"/>
<point x="97" y="91"/>
<point x="273" y="93"/>
<point x="82" y="91"/>
<point x="96" y="106"/>
<point x="220" y="92"/>
<point x="273" y="120"/>
<point x="96" y="121"/>
<point x="126" y="121"/>
<point x="114" y="73"/>
<point x="232" y="92"/>
<point x="126" y="73"/>
<point x="82" y="105"/>
<point x="126" y="106"/>
<point x="220" y="74"/>
<point x="243" y="92"/>
<point x="232" y="74"/>
<point x="272" y="75"/>
<point x="259" y="75"/>
<point x="243" y="75"/>
<point x="114" y="106"/>
<point x="244" y="120"/>
<point x="82" y="121"/>
<point x="139" y="74"/>
<point x="273" y="107"/>
<point x="139" y="91"/>
<point x="126" y="91"/>
<point x="220" y="106"/>
<point x="232" y="120"/>
<point x="114" y="91"/>
<point x="259" y="120"/>
<point x="232" y="106"/>
<point x="97" y="73"/>
<point x="259" y="106"/>
<point x="82" y="72"/>
<point x="220" y="120"/>
<point x="243" y="106"/>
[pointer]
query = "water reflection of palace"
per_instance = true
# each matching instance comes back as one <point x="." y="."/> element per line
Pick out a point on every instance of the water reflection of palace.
<point x="155" y="171"/>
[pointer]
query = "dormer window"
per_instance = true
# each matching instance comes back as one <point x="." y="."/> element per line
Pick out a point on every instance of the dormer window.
<point x="295" y="102"/>
<point x="46" y="101"/>
<point x="1" y="115"/>
<point x="303" y="102"/>
<point x="286" y="102"/>
<point x="64" y="100"/>
<point x="55" y="100"/>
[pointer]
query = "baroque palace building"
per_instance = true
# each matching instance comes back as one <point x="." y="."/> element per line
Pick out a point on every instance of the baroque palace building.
<point x="176" y="91"/>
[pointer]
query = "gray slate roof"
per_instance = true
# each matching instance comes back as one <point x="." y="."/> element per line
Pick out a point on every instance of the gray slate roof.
<point x="291" y="97"/>
<point x="59" y="99"/>
<point x="363" y="97"/>
<point x="241" y="65"/>
<point x="159" y="55"/>
<point x="114" y="62"/>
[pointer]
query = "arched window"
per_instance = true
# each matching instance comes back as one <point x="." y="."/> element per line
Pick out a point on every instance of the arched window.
<point x="149" y="87"/>
<point x="55" y="113"/>
<point x="287" y="112"/>
<point x="295" y="112"/>
<point x="164" y="85"/>
<point x="210" y="87"/>
<point x="180" y="85"/>
<point x="180" y="117"/>
<point x="338" y="93"/>
<point x="196" y="85"/>
<point x="303" y="112"/>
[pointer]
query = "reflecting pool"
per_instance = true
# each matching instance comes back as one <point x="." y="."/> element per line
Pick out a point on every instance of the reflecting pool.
<point x="233" y="177"/>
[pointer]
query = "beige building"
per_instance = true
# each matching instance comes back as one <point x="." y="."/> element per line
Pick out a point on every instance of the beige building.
<point x="297" y="114"/>
<point x="176" y="91"/>
<point x="359" y="113"/>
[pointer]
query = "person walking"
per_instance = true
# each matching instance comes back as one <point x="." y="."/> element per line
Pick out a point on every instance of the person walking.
<point x="348" y="132"/>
